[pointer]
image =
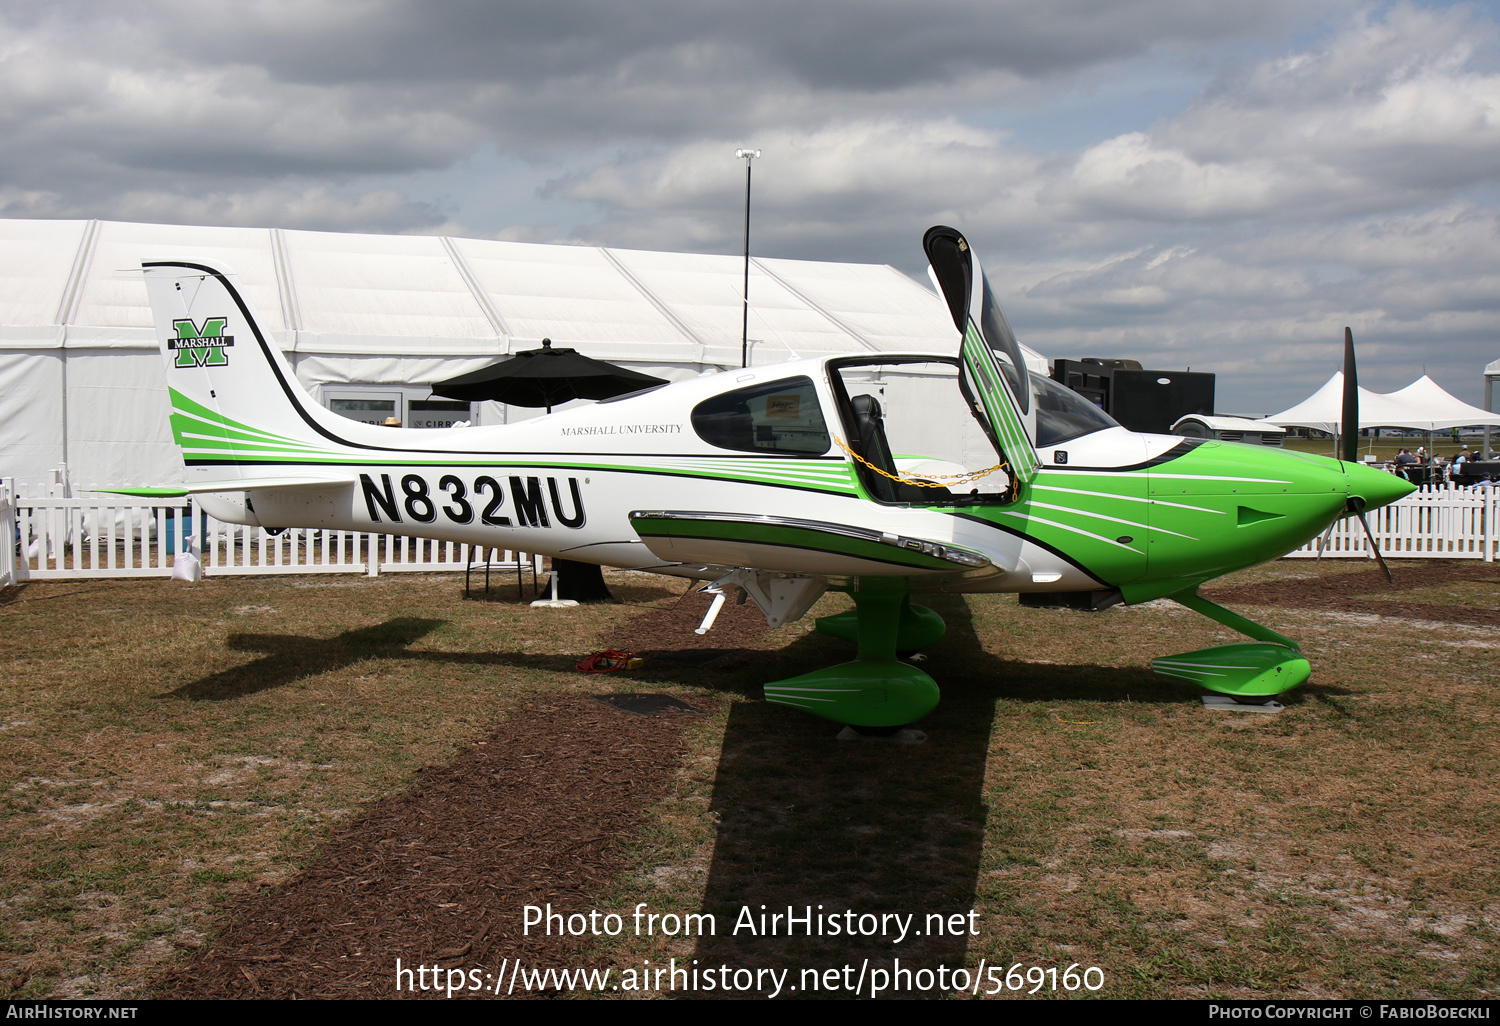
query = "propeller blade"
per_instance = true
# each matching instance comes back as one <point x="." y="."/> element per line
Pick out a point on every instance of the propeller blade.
<point x="1375" y="548"/>
<point x="1349" y="419"/>
<point x="1323" y="541"/>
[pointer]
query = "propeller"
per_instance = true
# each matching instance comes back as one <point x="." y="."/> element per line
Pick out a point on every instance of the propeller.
<point x="1349" y="424"/>
<point x="1349" y="419"/>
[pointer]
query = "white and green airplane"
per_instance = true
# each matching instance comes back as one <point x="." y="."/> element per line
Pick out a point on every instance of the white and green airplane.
<point x="884" y="477"/>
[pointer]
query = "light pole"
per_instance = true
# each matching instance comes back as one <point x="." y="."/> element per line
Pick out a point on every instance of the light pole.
<point x="747" y="156"/>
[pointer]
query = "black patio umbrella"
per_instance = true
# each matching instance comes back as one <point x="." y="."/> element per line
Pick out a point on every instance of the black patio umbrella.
<point x="544" y="377"/>
<point x="547" y="377"/>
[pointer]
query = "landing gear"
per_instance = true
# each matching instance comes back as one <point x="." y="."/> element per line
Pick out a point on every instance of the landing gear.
<point x="1246" y="671"/>
<point x="917" y="628"/>
<point x="874" y="689"/>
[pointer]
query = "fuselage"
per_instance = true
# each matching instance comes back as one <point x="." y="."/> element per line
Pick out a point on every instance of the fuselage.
<point x="1147" y="514"/>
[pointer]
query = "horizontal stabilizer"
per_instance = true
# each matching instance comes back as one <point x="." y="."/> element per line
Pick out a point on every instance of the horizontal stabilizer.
<point x="144" y="493"/>
<point x="241" y="484"/>
<point x="258" y="484"/>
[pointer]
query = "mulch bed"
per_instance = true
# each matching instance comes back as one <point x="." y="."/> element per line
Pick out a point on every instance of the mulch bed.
<point x="440" y="874"/>
<point x="668" y="635"/>
<point x="1353" y="592"/>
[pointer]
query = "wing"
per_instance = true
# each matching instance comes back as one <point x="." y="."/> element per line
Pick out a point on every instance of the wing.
<point x="795" y="545"/>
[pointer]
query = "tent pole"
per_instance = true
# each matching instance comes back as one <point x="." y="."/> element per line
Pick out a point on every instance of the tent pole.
<point x="1489" y="407"/>
<point x="747" y="156"/>
<point x="63" y="357"/>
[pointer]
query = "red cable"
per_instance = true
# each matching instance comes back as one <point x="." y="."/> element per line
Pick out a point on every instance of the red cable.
<point x="607" y="661"/>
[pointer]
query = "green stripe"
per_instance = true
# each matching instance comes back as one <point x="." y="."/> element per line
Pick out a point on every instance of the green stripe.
<point x="185" y="426"/>
<point x="191" y="431"/>
<point x="204" y="434"/>
<point x="998" y="404"/>
<point x="502" y="460"/>
<point x="145" y="493"/>
<point x="191" y="408"/>
<point x="204" y="440"/>
<point x="1002" y="417"/>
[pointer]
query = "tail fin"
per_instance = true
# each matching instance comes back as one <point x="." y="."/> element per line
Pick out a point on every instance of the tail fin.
<point x="237" y="409"/>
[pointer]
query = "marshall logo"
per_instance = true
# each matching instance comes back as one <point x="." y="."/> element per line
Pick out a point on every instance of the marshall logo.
<point x="201" y="347"/>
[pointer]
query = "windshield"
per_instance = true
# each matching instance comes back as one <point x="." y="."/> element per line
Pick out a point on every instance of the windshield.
<point x="1062" y="414"/>
<point x="1002" y="341"/>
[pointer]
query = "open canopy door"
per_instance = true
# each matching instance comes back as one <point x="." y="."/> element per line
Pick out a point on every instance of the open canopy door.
<point x="994" y="379"/>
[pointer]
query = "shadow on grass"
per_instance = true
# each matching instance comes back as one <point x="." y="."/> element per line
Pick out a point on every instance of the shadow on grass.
<point x="291" y="657"/>
<point x="804" y="820"/>
<point x="875" y="828"/>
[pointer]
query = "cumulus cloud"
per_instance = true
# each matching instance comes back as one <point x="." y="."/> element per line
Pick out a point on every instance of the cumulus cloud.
<point x="1348" y="183"/>
<point x="1389" y="113"/>
<point x="316" y="208"/>
<point x="864" y="188"/>
<point x="272" y="87"/>
<point x="833" y="45"/>
<point x="1347" y="179"/>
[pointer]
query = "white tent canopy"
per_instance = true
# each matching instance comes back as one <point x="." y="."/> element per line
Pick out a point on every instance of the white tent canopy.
<point x="1446" y="411"/>
<point x="81" y="382"/>
<point x="1422" y="405"/>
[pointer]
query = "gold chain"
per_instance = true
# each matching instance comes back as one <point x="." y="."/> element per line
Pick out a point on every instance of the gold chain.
<point x="972" y="475"/>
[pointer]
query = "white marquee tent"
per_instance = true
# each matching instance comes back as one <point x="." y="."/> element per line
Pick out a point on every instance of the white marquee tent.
<point x="1422" y="405"/>
<point x="384" y="316"/>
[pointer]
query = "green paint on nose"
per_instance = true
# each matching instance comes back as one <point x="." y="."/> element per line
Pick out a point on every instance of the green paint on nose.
<point x="1375" y="487"/>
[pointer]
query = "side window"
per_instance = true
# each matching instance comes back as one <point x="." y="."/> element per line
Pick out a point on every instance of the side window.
<point x="783" y="416"/>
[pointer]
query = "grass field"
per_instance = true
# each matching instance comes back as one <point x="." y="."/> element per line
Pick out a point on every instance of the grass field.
<point x="169" y="747"/>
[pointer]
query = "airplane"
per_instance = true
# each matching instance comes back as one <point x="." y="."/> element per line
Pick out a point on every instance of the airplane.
<point x="885" y="477"/>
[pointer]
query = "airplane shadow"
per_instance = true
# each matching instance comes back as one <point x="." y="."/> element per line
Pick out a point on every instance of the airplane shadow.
<point x="871" y="827"/>
<point x="290" y="657"/>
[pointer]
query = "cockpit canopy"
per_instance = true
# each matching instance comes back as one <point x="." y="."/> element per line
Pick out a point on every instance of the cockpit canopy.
<point x="1063" y="415"/>
<point x="914" y="435"/>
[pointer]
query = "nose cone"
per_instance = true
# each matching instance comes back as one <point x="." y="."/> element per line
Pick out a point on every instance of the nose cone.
<point x="1374" y="488"/>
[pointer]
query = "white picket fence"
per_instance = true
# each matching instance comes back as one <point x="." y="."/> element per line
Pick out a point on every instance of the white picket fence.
<point x="8" y="545"/>
<point x="57" y="536"/>
<point x="1434" y="522"/>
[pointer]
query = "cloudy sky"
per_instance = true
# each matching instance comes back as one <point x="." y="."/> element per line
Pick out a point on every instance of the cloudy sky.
<point x="1191" y="183"/>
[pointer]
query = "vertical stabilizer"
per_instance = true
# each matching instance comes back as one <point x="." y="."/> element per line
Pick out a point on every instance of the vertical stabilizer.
<point x="237" y="410"/>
